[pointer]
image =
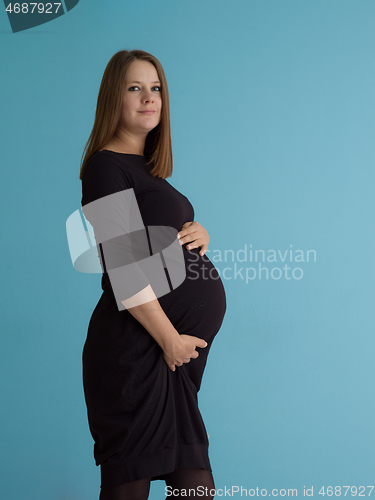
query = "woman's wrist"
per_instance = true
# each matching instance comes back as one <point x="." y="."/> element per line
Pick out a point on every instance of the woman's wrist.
<point x="170" y="343"/>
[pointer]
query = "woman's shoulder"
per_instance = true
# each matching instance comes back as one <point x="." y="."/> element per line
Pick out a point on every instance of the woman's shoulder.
<point x="104" y="174"/>
<point x="106" y="163"/>
<point x="102" y="158"/>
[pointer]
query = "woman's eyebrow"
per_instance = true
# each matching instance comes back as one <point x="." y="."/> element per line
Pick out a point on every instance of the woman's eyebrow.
<point x="141" y="82"/>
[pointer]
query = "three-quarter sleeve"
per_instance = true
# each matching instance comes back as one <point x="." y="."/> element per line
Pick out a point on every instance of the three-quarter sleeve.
<point x="109" y="204"/>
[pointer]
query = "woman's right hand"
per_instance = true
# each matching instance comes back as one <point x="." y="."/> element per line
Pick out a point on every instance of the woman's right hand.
<point x="182" y="350"/>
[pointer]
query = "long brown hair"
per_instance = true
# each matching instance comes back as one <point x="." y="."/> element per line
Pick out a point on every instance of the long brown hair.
<point x="158" y="145"/>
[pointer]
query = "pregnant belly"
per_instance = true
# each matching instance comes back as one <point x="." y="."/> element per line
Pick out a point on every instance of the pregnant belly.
<point x="197" y="307"/>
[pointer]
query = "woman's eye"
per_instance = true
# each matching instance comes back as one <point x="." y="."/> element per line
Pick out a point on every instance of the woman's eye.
<point x="136" y="87"/>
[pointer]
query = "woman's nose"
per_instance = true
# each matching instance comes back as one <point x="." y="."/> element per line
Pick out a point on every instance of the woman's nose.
<point x="148" y="97"/>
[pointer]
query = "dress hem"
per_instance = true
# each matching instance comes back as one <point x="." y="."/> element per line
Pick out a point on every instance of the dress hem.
<point x="186" y="455"/>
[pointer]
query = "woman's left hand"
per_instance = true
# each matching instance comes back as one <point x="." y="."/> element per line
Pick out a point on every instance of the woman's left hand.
<point x="194" y="234"/>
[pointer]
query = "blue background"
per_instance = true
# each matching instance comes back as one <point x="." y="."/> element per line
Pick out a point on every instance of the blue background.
<point x="273" y="121"/>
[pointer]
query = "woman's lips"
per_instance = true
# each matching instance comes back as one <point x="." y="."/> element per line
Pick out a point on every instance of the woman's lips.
<point x="147" y="112"/>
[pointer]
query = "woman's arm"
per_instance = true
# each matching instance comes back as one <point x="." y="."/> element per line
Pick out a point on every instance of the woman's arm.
<point x="177" y="348"/>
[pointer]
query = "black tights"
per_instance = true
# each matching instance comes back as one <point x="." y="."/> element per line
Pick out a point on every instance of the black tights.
<point x="187" y="479"/>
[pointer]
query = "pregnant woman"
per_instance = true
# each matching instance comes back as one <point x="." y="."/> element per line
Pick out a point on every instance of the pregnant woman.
<point x="143" y="365"/>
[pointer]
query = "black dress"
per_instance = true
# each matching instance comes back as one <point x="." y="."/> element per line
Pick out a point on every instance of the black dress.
<point x="143" y="417"/>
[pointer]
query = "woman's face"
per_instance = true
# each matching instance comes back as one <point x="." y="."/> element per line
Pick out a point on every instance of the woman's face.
<point x="142" y="93"/>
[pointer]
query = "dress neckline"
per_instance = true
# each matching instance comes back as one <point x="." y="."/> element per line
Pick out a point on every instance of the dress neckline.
<point x="117" y="152"/>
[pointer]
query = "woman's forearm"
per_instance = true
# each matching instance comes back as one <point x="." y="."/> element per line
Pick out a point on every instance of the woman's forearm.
<point x="145" y="308"/>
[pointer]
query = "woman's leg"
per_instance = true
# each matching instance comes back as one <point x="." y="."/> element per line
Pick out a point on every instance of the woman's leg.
<point x="195" y="483"/>
<point x="136" y="490"/>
